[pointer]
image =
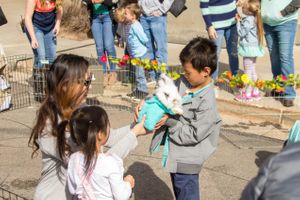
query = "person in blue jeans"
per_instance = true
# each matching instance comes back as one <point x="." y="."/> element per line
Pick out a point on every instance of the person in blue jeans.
<point x="102" y="30"/>
<point x="154" y="22"/>
<point x="219" y="17"/>
<point x="280" y="36"/>
<point x="42" y="21"/>
<point x="137" y="40"/>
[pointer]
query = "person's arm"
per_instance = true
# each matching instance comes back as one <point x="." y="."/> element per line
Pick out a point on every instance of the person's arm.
<point x="292" y="7"/>
<point x="201" y="125"/>
<point x="59" y="13"/>
<point x="141" y="35"/>
<point x="165" y="6"/>
<point x="29" y="10"/>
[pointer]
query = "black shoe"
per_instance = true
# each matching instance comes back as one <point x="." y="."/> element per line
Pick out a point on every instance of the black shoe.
<point x="287" y="102"/>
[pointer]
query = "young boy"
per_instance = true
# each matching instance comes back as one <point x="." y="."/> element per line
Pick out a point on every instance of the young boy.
<point x="191" y="138"/>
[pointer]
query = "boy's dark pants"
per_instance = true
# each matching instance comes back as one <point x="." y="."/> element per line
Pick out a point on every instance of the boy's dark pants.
<point x="185" y="186"/>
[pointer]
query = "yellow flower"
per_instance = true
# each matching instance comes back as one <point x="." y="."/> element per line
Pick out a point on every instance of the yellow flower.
<point x="245" y="78"/>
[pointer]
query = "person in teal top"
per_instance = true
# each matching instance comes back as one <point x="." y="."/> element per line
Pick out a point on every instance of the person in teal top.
<point x="280" y="36"/>
<point x="102" y="30"/>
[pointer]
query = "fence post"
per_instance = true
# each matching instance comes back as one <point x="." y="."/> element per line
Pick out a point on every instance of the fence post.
<point x="97" y="80"/>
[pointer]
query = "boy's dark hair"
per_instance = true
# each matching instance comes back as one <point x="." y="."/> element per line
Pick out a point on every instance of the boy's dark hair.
<point x="134" y="9"/>
<point x="200" y="52"/>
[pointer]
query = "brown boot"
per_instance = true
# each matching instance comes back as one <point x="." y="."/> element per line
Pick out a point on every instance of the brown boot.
<point x="112" y="78"/>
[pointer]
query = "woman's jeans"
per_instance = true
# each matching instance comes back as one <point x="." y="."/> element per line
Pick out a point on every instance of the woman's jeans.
<point x="103" y="34"/>
<point x="231" y="39"/>
<point x="157" y="45"/>
<point x="46" y="52"/>
<point x="280" y="41"/>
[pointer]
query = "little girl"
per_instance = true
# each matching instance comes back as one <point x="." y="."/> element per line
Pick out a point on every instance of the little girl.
<point x="250" y="31"/>
<point x="93" y="174"/>
<point x="137" y="40"/>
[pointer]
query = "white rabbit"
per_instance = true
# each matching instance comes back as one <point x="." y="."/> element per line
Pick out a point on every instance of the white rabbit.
<point x="168" y="94"/>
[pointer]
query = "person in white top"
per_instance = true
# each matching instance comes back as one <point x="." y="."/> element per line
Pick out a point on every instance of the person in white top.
<point x="93" y="174"/>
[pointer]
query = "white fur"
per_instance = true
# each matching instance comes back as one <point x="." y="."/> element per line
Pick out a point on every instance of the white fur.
<point x="168" y="94"/>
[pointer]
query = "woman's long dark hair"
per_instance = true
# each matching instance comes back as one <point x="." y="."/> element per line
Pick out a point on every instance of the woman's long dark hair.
<point x="62" y="97"/>
<point x="85" y="124"/>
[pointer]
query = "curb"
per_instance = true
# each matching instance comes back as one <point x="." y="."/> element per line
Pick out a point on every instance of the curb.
<point x="284" y="118"/>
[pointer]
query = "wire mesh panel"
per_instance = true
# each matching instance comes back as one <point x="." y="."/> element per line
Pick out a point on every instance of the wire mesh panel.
<point x="7" y="195"/>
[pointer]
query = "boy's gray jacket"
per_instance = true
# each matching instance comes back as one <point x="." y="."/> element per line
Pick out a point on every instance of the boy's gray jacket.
<point x="194" y="135"/>
<point x="150" y="6"/>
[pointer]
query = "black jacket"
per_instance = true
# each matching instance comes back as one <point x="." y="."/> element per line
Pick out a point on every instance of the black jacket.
<point x="278" y="178"/>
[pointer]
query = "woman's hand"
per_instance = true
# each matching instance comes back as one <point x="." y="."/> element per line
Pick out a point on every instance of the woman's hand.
<point x="212" y="33"/>
<point x="237" y="17"/>
<point x="130" y="180"/>
<point x="139" y="128"/>
<point x="137" y="110"/>
<point x="56" y="29"/>
<point x="34" y="43"/>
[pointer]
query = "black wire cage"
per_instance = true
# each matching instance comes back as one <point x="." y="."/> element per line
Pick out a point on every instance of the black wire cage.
<point x="22" y="85"/>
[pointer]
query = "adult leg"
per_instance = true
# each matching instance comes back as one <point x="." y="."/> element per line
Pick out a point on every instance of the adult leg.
<point x="50" y="46"/>
<point x="41" y="53"/>
<point x="185" y="186"/>
<point x="146" y="24"/>
<point x="97" y="31"/>
<point x="158" y="28"/>
<point x="273" y="47"/>
<point x="286" y="37"/>
<point x="231" y="38"/>
<point x="108" y="39"/>
<point x="218" y="42"/>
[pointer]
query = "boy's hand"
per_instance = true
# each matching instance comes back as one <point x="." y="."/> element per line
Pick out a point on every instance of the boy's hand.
<point x="161" y="122"/>
<point x="212" y="33"/>
<point x="130" y="180"/>
<point x="137" y="110"/>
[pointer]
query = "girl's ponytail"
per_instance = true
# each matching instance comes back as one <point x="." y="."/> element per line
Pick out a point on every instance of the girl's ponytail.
<point x="254" y="7"/>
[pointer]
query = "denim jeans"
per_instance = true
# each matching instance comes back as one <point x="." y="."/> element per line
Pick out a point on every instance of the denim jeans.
<point x="185" y="186"/>
<point x="231" y="39"/>
<point x="140" y="77"/>
<point x="157" y="45"/>
<point x="280" y="41"/>
<point x="103" y="35"/>
<point x="46" y="52"/>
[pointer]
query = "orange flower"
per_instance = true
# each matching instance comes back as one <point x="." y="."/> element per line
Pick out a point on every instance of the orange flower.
<point x="229" y="75"/>
<point x="260" y="84"/>
<point x="154" y="62"/>
<point x="279" y="90"/>
<point x="221" y="80"/>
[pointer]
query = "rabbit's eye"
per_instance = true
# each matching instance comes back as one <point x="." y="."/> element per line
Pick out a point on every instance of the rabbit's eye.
<point x="167" y="95"/>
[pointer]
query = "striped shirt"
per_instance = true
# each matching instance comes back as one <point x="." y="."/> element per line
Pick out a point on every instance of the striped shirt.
<point x="218" y="13"/>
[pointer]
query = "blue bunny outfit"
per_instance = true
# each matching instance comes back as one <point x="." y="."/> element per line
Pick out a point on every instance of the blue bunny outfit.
<point x="154" y="111"/>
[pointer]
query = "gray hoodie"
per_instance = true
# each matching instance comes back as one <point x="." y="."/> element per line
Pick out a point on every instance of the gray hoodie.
<point x="150" y="6"/>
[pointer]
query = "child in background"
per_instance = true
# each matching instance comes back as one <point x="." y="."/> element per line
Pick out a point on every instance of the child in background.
<point x="123" y="28"/>
<point x="137" y="40"/>
<point x="251" y="33"/>
<point x="93" y="174"/>
<point x="192" y="137"/>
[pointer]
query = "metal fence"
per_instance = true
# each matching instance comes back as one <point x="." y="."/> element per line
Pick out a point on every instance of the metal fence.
<point x="7" y="195"/>
<point x="21" y="85"/>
